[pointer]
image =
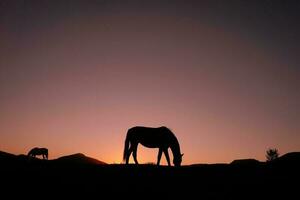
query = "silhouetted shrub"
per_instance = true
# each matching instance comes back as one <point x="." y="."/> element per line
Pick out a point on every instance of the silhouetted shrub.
<point x="272" y="154"/>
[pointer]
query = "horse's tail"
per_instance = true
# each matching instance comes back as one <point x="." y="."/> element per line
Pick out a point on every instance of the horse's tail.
<point x="47" y="154"/>
<point x="126" y="146"/>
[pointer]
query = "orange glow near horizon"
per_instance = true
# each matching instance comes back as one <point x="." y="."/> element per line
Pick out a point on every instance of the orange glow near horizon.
<point x="76" y="82"/>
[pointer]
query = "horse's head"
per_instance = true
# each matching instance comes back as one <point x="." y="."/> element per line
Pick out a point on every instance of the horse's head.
<point x="177" y="160"/>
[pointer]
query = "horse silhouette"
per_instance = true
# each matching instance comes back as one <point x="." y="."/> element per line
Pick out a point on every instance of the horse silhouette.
<point x="160" y="137"/>
<point x="38" y="151"/>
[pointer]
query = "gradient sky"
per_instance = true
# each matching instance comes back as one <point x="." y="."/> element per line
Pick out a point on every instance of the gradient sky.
<point x="223" y="75"/>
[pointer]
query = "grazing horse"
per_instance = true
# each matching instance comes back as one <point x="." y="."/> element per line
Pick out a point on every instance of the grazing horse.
<point x="160" y="137"/>
<point x="39" y="151"/>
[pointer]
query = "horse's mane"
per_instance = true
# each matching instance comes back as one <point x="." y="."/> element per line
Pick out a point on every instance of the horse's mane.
<point x="168" y="129"/>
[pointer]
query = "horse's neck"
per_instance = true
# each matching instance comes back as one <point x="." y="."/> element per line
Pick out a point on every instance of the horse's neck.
<point x="175" y="148"/>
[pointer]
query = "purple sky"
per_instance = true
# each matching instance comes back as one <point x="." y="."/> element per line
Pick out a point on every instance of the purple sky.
<point x="224" y="76"/>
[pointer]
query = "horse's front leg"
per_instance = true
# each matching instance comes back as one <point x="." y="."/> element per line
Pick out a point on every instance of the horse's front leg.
<point x="159" y="156"/>
<point x="167" y="156"/>
<point x="128" y="155"/>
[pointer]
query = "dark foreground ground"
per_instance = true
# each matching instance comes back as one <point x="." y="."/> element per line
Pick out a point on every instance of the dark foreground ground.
<point x="79" y="176"/>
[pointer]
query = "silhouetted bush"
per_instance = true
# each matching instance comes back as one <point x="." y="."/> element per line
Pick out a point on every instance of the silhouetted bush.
<point x="272" y="154"/>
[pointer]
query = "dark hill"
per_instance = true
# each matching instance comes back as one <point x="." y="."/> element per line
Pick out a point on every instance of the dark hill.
<point x="292" y="157"/>
<point x="6" y="157"/>
<point x="74" y="159"/>
<point x="289" y="160"/>
<point x="78" y="158"/>
<point x="245" y="162"/>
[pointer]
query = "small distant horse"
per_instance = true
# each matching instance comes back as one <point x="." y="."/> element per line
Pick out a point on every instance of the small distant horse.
<point x="160" y="137"/>
<point x="39" y="151"/>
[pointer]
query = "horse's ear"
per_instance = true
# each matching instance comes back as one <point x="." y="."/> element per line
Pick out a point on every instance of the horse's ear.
<point x="182" y="154"/>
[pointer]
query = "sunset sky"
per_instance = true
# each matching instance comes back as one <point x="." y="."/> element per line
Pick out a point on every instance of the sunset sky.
<point x="224" y="76"/>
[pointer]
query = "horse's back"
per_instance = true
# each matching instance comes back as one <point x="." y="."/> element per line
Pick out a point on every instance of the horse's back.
<point x="151" y="131"/>
<point x="147" y="129"/>
<point x="33" y="150"/>
<point x="37" y="150"/>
